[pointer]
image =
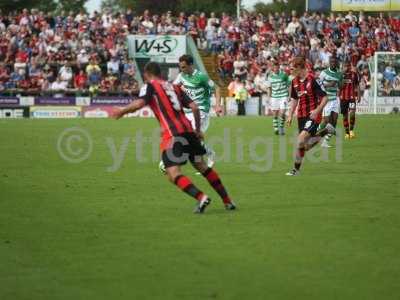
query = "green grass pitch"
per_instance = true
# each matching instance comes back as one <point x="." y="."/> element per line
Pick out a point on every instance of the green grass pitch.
<point x="87" y="231"/>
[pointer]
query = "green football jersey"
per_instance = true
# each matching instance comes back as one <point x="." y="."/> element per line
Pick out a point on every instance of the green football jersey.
<point x="198" y="87"/>
<point x="327" y="76"/>
<point x="279" y="84"/>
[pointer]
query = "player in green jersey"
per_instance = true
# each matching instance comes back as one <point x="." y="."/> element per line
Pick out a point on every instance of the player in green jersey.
<point x="331" y="79"/>
<point x="278" y="92"/>
<point x="198" y="87"/>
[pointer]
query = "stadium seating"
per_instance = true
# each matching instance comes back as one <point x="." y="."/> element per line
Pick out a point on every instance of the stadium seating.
<point x="81" y="54"/>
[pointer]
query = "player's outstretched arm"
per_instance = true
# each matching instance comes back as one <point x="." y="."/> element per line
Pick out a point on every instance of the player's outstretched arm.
<point x="134" y="106"/>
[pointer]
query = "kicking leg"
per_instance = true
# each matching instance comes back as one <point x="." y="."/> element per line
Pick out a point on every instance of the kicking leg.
<point x="325" y="121"/>
<point x="215" y="182"/>
<point x="186" y="185"/>
<point x="332" y="119"/>
<point x="314" y="140"/>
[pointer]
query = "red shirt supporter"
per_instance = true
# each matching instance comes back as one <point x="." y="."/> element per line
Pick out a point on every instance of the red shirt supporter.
<point x="22" y="56"/>
<point x="4" y="76"/>
<point x="103" y="31"/>
<point x="226" y="21"/>
<point x="266" y="28"/>
<point x="381" y="32"/>
<point x="202" y="22"/>
<point x="24" y="84"/>
<point x="369" y="51"/>
<point x="80" y="80"/>
<point x="395" y="24"/>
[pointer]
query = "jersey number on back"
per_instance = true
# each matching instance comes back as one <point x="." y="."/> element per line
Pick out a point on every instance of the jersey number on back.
<point x="169" y="90"/>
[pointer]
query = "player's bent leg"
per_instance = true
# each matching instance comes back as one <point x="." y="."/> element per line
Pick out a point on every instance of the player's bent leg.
<point x="315" y="138"/>
<point x="186" y="185"/>
<point x="214" y="180"/>
<point x="173" y="158"/>
<point x="332" y="121"/>
<point x="346" y="125"/>
<point x="204" y="125"/>
<point x="333" y="118"/>
<point x="352" y="121"/>
<point x="275" y="121"/>
<point x="282" y="118"/>
<point x="344" y="109"/>
<point x="303" y="138"/>
<point x="330" y="114"/>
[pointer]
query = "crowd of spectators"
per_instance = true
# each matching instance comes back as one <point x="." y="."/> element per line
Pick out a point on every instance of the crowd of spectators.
<point x="246" y="47"/>
<point x="80" y="54"/>
<point x="388" y="75"/>
<point x="70" y="52"/>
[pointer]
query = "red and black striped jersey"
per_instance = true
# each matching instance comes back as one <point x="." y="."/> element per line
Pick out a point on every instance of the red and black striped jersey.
<point x="308" y="92"/>
<point x="167" y="102"/>
<point x="349" y="90"/>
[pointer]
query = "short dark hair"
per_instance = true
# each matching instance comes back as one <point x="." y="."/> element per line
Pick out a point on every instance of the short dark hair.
<point x="153" y="68"/>
<point x="187" y="59"/>
<point x="299" y="62"/>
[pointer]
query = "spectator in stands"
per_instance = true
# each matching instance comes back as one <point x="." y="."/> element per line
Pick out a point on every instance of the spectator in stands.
<point x="130" y="88"/>
<point x="362" y="64"/>
<point x="15" y="78"/>
<point x="94" y="80"/>
<point x="389" y="74"/>
<point x="4" y="74"/>
<point x="108" y="84"/>
<point x="293" y="27"/>
<point x="58" y="85"/>
<point x="82" y="58"/>
<point x="66" y="74"/>
<point x="34" y="87"/>
<point x="30" y="40"/>
<point x="201" y="24"/>
<point x="80" y="81"/>
<point x="225" y="65"/>
<point x="113" y="66"/>
<point x="240" y="67"/>
<point x="354" y="31"/>
<point x="92" y="67"/>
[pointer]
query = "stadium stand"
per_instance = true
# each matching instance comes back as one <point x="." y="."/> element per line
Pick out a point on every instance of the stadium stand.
<point x="84" y="55"/>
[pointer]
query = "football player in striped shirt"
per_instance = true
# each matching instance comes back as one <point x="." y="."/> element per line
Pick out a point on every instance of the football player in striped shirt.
<point x="180" y="142"/>
<point x="331" y="79"/>
<point x="278" y="92"/>
<point x="349" y="95"/>
<point x="198" y="87"/>
<point x="308" y="99"/>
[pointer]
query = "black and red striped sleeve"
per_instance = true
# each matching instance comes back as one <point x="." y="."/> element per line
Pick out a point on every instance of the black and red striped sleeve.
<point x="183" y="98"/>
<point x="147" y="93"/>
